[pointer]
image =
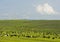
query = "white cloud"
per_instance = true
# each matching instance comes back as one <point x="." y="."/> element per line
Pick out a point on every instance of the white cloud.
<point x="45" y="9"/>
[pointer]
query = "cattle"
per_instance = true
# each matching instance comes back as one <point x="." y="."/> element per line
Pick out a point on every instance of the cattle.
<point x="14" y="35"/>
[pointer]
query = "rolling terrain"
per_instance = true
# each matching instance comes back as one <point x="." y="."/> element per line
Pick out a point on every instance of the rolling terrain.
<point x="30" y="30"/>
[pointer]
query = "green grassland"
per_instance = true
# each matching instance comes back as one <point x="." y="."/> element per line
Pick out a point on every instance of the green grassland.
<point x="29" y="30"/>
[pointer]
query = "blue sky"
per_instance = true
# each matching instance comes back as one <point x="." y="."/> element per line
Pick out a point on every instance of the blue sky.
<point x="30" y="9"/>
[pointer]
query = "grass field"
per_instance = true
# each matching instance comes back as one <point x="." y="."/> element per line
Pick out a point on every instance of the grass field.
<point x="29" y="30"/>
<point x="31" y="40"/>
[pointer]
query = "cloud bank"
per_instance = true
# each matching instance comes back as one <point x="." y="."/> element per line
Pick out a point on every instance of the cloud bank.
<point x="45" y="9"/>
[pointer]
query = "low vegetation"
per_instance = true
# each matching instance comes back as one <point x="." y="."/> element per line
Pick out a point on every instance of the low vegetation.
<point x="30" y="30"/>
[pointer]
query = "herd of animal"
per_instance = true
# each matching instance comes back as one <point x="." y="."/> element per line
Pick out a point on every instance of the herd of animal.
<point x="48" y="35"/>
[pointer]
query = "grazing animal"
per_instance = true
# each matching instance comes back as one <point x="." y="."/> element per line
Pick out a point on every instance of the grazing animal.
<point x="53" y="38"/>
<point x="14" y="35"/>
<point x="28" y="36"/>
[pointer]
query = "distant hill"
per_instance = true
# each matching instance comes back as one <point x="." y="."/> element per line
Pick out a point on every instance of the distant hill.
<point x="30" y="25"/>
